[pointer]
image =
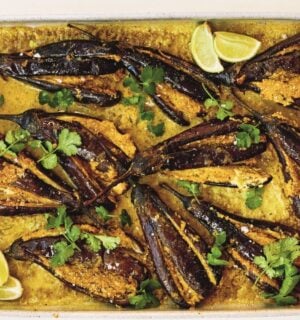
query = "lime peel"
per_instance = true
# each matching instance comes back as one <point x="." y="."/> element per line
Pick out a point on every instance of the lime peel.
<point x="202" y="48"/>
<point x="235" y="47"/>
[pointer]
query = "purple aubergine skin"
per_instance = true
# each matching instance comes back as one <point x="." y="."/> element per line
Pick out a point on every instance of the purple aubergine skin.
<point x="261" y="66"/>
<point x="122" y="260"/>
<point x="175" y="153"/>
<point x="159" y="232"/>
<point x="207" y="215"/>
<point x="45" y="126"/>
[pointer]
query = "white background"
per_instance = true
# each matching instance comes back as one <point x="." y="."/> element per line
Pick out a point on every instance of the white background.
<point x="28" y="10"/>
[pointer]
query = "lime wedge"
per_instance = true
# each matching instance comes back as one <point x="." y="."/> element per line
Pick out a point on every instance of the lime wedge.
<point x="11" y="290"/>
<point x="202" y="48"/>
<point x="234" y="47"/>
<point x="4" y="272"/>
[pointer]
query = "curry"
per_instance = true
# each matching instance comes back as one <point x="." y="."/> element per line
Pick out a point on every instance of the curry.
<point x="149" y="169"/>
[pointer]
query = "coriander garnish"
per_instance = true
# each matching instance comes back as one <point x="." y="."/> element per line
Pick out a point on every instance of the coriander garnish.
<point x="68" y="143"/>
<point x="61" y="99"/>
<point x="247" y="136"/>
<point x="224" y="106"/>
<point x="65" y="249"/>
<point x="149" y="78"/>
<point x="125" y="218"/>
<point x="277" y="262"/>
<point x="145" y="297"/>
<point x="14" y="142"/>
<point x="191" y="187"/>
<point x="103" y="213"/>
<point x="254" y="198"/>
<point x="213" y="258"/>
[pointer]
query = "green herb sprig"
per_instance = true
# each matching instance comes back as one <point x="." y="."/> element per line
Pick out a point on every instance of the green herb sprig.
<point x="149" y="78"/>
<point x="68" y="143"/>
<point x="103" y="213"/>
<point x="145" y="297"/>
<point x="213" y="257"/>
<point x="65" y="249"/>
<point x="224" y="106"/>
<point x="248" y="135"/>
<point x="14" y="142"/>
<point x="191" y="187"/>
<point x="61" y="99"/>
<point x="254" y="197"/>
<point x="276" y="262"/>
<point x="125" y="218"/>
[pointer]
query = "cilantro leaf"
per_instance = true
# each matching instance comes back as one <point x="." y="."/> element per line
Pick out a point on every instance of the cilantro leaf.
<point x="248" y="135"/>
<point x="58" y="220"/>
<point x="254" y="198"/>
<point x="68" y="141"/>
<point x="145" y="297"/>
<point x="192" y="187"/>
<point x="62" y="253"/>
<point x="158" y="130"/>
<point x="224" y="106"/>
<point x="14" y="142"/>
<point x="146" y="86"/>
<point x="213" y="257"/>
<point x="61" y="99"/>
<point x="92" y="241"/>
<point x="49" y="161"/>
<point x="125" y="218"/>
<point x="103" y="213"/>
<point x="109" y="243"/>
<point x="278" y="262"/>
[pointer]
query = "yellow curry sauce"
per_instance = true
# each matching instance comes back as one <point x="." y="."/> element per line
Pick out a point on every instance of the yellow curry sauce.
<point x="42" y="290"/>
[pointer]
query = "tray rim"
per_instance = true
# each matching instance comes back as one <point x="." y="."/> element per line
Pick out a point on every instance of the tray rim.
<point x="16" y="12"/>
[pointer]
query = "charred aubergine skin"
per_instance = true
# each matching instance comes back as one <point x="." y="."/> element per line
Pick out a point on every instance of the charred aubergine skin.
<point x="243" y="246"/>
<point x="179" y="263"/>
<point x="108" y="276"/>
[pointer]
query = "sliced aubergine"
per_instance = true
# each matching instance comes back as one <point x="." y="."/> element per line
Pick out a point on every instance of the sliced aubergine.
<point x="245" y="237"/>
<point x="178" y="257"/>
<point x="111" y="276"/>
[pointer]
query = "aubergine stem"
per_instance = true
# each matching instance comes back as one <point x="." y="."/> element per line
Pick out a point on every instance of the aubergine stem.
<point x="157" y="155"/>
<point x="175" y="115"/>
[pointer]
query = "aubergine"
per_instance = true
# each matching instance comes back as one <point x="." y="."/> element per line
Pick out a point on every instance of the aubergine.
<point x="110" y="276"/>
<point x="245" y="237"/>
<point x="24" y="189"/>
<point x="98" y="162"/>
<point x="286" y="141"/>
<point x="178" y="257"/>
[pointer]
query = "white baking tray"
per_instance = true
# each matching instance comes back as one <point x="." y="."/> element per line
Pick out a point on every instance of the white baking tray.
<point x="35" y="11"/>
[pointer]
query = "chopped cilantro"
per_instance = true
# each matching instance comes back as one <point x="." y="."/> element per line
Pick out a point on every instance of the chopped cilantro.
<point x="103" y="213"/>
<point x="192" y="187"/>
<point x="213" y="258"/>
<point x="68" y="143"/>
<point x="224" y="106"/>
<point x="277" y="262"/>
<point x="14" y="142"/>
<point x="146" y="86"/>
<point x="61" y="99"/>
<point x="145" y="297"/>
<point x="65" y="249"/>
<point x="248" y="135"/>
<point x="254" y="198"/>
<point x="125" y="218"/>
<point x="158" y="129"/>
